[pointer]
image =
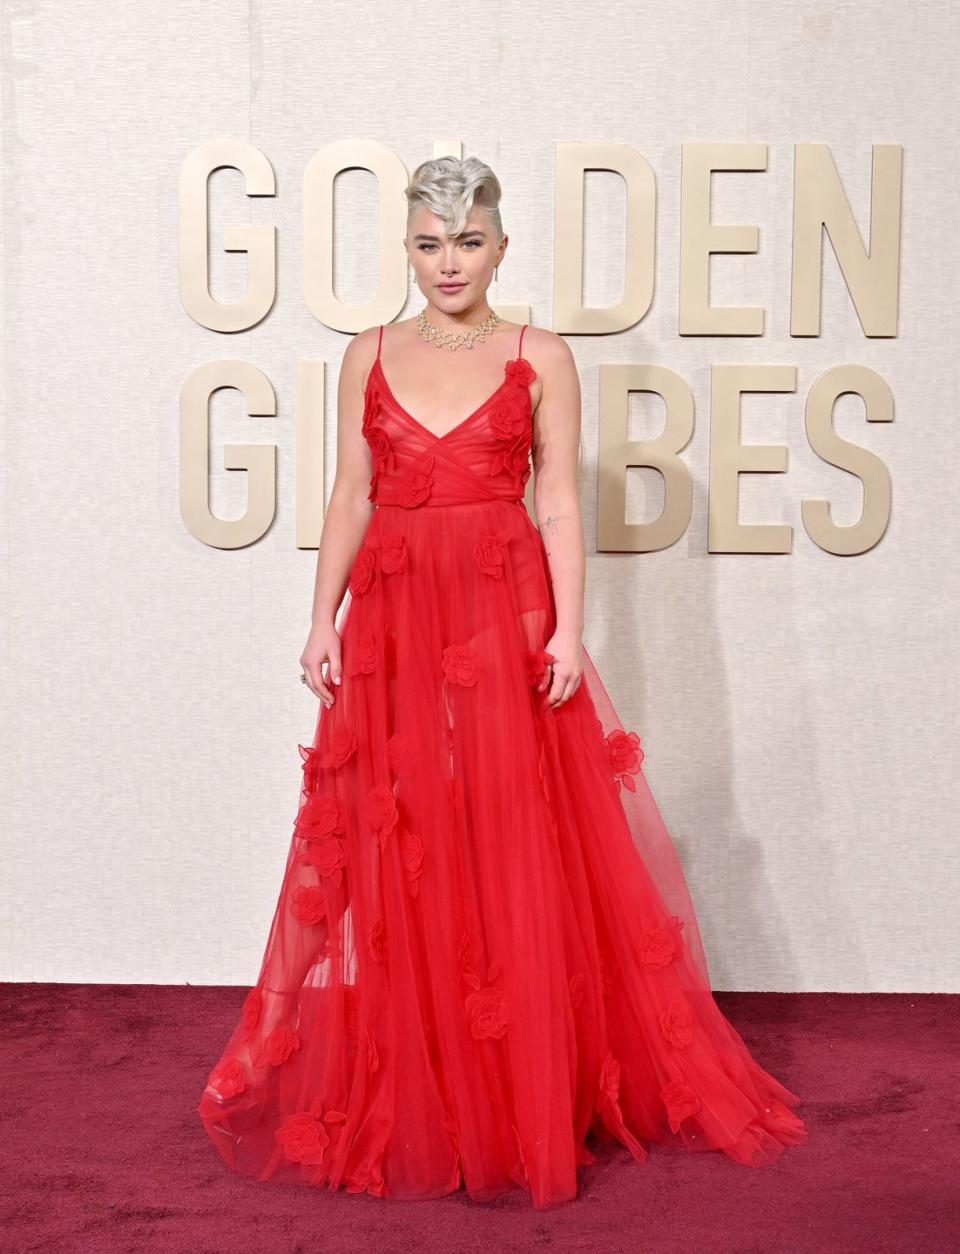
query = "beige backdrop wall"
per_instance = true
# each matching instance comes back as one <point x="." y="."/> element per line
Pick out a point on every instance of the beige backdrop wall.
<point x="798" y="712"/>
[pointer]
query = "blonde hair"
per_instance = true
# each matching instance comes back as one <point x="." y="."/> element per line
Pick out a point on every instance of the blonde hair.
<point x="450" y="187"/>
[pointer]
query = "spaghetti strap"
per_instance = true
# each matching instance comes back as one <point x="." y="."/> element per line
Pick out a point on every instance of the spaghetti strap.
<point x="520" y="345"/>
<point x="379" y="341"/>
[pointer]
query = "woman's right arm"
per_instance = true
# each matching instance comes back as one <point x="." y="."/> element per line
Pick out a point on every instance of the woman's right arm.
<point x="345" y="520"/>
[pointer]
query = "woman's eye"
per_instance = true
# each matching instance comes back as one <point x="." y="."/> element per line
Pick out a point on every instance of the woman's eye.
<point x="427" y="248"/>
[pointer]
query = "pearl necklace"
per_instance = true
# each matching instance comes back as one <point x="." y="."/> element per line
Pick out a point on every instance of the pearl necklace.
<point x="456" y="339"/>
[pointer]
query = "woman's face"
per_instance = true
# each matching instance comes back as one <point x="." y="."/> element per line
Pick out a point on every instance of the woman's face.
<point x="453" y="274"/>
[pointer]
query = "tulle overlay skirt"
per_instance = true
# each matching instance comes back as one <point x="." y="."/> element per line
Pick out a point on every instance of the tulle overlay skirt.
<point x="483" y="951"/>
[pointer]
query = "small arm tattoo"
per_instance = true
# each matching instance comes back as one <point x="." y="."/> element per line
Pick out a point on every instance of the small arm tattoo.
<point x="547" y="526"/>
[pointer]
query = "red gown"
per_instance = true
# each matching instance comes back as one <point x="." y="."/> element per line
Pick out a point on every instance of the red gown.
<point x="484" y="948"/>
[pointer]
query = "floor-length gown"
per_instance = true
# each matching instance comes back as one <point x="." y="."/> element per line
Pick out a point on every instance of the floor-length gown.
<point x="484" y="948"/>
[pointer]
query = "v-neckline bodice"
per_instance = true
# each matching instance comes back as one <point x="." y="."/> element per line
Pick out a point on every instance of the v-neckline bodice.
<point x="439" y="437"/>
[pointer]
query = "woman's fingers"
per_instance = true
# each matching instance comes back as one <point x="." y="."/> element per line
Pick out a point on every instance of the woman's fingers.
<point x="322" y="650"/>
<point x="562" y="688"/>
<point x="333" y="677"/>
<point x="314" y="676"/>
<point x="325" y="694"/>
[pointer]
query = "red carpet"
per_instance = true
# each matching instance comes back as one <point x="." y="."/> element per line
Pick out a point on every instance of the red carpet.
<point x="101" y="1148"/>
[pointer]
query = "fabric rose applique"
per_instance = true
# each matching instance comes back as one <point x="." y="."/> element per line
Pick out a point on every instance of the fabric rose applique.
<point x="277" y="1048"/>
<point x="319" y="816"/>
<point x="489" y="551"/>
<point x="363" y="653"/>
<point x="680" y="1101"/>
<point x="520" y="372"/>
<point x="414" y="486"/>
<point x="382" y="454"/>
<point x="657" y="946"/>
<point x="228" y="1078"/>
<point x="327" y="858"/>
<point x="308" y="904"/>
<point x="676" y="1024"/>
<point x="393" y="552"/>
<point x="536" y="664"/>
<point x="320" y="825"/>
<point x="461" y="664"/>
<point x="488" y="1011"/>
<point x="341" y="746"/>
<point x="608" y="1104"/>
<point x="310" y="766"/>
<point x="625" y="756"/>
<point x="384" y="458"/>
<point x="371" y="410"/>
<point x="380" y="811"/>
<point x="305" y="1136"/>
<point x="411" y="857"/>
<point x="514" y="458"/>
<point x="608" y="1088"/>
<point x="509" y="418"/>
<point x="363" y="571"/>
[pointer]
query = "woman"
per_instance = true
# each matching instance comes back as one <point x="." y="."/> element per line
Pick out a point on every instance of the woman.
<point x="484" y="949"/>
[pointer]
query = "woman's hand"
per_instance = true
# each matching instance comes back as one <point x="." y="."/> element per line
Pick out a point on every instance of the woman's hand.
<point x="564" y="672"/>
<point x="323" y="645"/>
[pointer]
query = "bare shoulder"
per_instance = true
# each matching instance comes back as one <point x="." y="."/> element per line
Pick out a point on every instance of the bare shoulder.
<point x="359" y="355"/>
<point x="550" y="355"/>
<point x="364" y="344"/>
<point x="549" y="352"/>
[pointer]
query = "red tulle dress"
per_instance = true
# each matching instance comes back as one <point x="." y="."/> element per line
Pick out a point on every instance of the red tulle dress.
<point x="484" y="951"/>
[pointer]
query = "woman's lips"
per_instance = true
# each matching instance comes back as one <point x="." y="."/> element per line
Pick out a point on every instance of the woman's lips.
<point x="450" y="287"/>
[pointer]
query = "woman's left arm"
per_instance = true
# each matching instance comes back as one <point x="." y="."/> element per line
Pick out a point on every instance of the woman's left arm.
<point x="556" y="500"/>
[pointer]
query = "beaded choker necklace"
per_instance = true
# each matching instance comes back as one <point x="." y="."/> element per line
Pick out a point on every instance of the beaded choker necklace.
<point x="456" y="339"/>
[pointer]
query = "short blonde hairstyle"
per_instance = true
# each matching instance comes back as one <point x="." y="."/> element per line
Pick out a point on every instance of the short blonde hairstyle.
<point x="450" y="187"/>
